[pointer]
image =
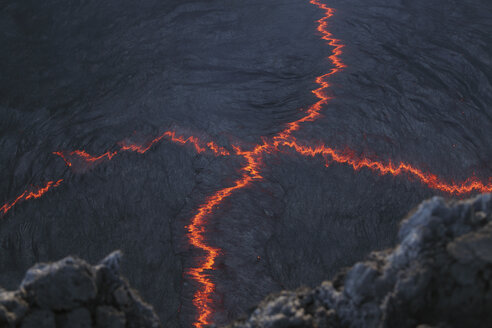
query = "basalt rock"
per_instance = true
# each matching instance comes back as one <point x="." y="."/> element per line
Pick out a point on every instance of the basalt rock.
<point x="440" y="275"/>
<point x="72" y="293"/>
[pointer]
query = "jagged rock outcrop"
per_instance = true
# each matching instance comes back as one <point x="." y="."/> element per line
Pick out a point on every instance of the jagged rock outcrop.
<point x="440" y="275"/>
<point x="72" y="293"/>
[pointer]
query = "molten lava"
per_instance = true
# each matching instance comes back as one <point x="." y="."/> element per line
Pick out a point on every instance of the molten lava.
<point x="29" y="194"/>
<point x="313" y="112"/>
<point x="82" y="154"/>
<point x="429" y="179"/>
<point x="196" y="230"/>
<point x="141" y="149"/>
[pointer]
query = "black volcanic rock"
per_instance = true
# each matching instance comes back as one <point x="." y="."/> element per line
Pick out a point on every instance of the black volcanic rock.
<point x="72" y="293"/>
<point x="439" y="275"/>
<point x="74" y="281"/>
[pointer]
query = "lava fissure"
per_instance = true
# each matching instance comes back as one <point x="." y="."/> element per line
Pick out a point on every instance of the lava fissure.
<point x="196" y="236"/>
<point x="29" y="194"/>
<point x="395" y="169"/>
<point x="83" y="155"/>
<point x="202" y="297"/>
<point x="76" y="156"/>
<point x="313" y="112"/>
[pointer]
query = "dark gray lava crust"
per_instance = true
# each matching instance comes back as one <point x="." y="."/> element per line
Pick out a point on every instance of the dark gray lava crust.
<point x="439" y="275"/>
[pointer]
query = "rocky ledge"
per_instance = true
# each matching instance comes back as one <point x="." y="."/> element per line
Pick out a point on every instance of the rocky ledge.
<point x="72" y="293"/>
<point x="440" y="275"/>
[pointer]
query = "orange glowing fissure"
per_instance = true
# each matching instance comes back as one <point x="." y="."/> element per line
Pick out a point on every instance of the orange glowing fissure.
<point x="429" y="179"/>
<point x="251" y="171"/>
<point x="68" y="157"/>
<point x="27" y="194"/>
<point x="202" y="298"/>
<point x="81" y="155"/>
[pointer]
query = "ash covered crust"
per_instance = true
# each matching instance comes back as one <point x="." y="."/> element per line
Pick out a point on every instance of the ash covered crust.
<point x="72" y="293"/>
<point x="439" y="275"/>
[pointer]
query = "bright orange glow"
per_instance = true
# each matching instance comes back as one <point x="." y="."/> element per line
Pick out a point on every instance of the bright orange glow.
<point x="217" y="149"/>
<point x="171" y="135"/>
<point x="26" y="195"/>
<point x="429" y="179"/>
<point x="313" y="112"/>
<point x="202" y="297"/>
<point x="82" y="154"/>
<point x="141" y="149"/>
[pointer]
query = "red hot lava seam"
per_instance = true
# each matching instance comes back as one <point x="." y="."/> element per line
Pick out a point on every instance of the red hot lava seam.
<point x="141" y="149"/>
<point x="251" y="171"/>
<point x="26" y="195"/>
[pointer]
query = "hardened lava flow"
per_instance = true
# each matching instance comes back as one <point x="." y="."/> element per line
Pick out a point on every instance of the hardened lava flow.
<point x="251" y="171"/>
<point x="202" y="298"/>
<point x="81" y="156"/>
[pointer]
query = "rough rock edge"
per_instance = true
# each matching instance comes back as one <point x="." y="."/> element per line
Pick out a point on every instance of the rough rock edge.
<point x="440" y="275"/>
<point x="72" y="293"/>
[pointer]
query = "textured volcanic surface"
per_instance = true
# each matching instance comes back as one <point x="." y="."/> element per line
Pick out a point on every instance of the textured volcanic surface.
<point x="86" y="75"/>
<point x="438" y="276"/>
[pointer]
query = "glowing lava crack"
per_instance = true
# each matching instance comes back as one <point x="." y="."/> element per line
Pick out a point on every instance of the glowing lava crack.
<point x="29" y="194"/>
<point x="429" y="179"/>
<point x="78" y="156"/>
<point x="251" y="169"/>
<point x="141" y="149"/>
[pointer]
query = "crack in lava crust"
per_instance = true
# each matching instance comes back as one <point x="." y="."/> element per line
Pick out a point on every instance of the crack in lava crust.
<point x="77" y="156"/>
<point x="202" y="297"/>
<point x="26" y="195"/>
<point x="429" y="179"/>
<point x="141" y="149"/>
